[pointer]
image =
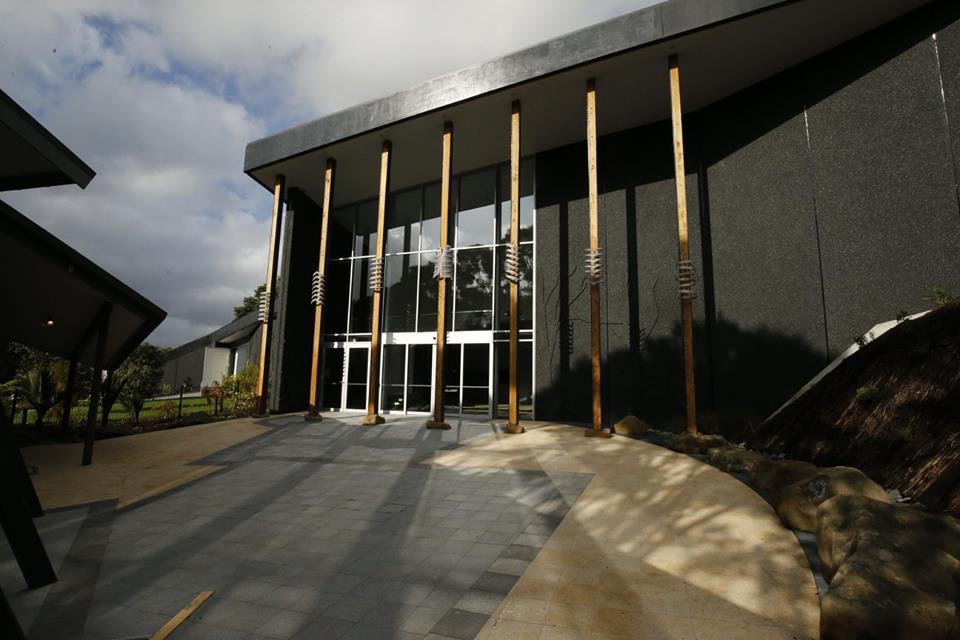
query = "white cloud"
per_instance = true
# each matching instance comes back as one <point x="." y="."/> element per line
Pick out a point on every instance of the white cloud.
<point x="160" y="99"/>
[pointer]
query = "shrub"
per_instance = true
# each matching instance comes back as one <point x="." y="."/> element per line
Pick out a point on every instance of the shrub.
<point x="167" y="410"/>
<point x="868" y="395"/>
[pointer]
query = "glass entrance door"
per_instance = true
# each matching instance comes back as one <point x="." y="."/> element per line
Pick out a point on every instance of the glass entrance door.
<point x="358" y="367"/>
<point x="344" y="375"/>
<point x="467" y="379"/>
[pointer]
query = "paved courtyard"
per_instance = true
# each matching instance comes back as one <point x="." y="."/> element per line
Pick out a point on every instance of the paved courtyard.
<point x="333" y="530"/>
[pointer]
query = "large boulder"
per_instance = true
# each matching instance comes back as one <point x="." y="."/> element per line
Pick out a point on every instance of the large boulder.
<point x="697" y="443"/>
<point x="890" y="575"/>
<point x="845" y="521"/>
<point x="797" y="503"/>
<point x="774" y="474"/>
<point x="863" y="604"/>
<point x="631" y="426"/>
<point x="734" y="459"/>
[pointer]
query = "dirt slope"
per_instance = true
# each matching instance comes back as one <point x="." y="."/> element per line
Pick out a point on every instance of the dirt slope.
<point x="891" y="410"/>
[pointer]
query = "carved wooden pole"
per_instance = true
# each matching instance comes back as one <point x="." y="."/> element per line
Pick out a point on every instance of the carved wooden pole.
<point x="594" y="262"/>
<point x="318" y="292"/>
<point x="376" y="282"/>
<point x="443" y="272"/>
<point x="267" y="298"/>
<point x="685" y="270"/>
<point x="512" y="268"/>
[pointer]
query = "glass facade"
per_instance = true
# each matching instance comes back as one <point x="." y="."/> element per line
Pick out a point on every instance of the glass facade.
<point x="478" y="297"/>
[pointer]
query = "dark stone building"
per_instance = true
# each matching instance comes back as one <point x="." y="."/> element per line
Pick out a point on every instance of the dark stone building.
<point x="822" y="145"/>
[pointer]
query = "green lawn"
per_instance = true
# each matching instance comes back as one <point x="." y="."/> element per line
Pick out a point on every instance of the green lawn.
<point x="119" y="413"/>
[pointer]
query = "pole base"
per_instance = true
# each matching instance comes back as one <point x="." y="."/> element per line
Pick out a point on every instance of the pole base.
<point x="513" y="428"/>
<point x="603" y="433"/>
<point x="309" y="417"/>
<point x="430" y="424"/>
<point x="372" y="419"/>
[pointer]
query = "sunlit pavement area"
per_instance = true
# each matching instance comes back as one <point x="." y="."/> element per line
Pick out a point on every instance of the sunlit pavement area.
<point x="336" y="530"/>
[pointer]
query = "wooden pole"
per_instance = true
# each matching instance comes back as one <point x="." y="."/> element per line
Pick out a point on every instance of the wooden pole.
<point x="598" y="430"/>
<point x="313" y="410"/>
<point x="267" y="304"/>
<point x="373" y="383"/>
<point x="513" y="411"/>
<point x="439" y="419"/>
<point x="686" y="301"/>
<point x="95" y="384"/>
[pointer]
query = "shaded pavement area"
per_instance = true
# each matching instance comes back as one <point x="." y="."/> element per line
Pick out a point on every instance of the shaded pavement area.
<point x="314" y="530"/>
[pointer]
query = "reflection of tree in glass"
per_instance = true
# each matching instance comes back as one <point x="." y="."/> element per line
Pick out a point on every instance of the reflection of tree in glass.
<point x="526" y="288"/>
<point x="400" y="293"/>
<point x="474" y="289"/>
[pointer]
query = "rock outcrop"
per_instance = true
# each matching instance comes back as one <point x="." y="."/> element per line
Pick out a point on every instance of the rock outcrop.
<point x="631" y="426"/>
<point x="733" y="459"/>
<point x="893" y="571"/>
<point x="797" y="503"/>
<point x="697" y="443"/>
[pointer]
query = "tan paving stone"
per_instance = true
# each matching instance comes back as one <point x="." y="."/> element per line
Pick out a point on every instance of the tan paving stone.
<point x="658" y="545"/>
<point x="132" y="468"/>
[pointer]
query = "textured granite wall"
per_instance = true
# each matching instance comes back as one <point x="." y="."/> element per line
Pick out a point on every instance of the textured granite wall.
<point x="822" y="201"/>
<point x="293" y="332"/>
<point x="640" y="312"/>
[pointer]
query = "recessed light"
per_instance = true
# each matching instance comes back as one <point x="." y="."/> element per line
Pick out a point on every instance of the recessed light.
<point x="47" y="323"/>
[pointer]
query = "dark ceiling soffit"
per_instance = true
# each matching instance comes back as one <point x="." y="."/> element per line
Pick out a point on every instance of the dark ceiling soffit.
<point x="620" y="35"/>
<point x="61" y="254"/>
<point x="46" y="144"/>
<point x="34" y="180"/>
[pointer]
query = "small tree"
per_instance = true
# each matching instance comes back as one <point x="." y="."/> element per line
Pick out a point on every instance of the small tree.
<point x="215" y="393"/>
<point x="109" y="395"/>
<point x="249" y="304"/>
<point x="39" y="390"/>
<point x="241" y="389"/>
<point x="140" y="374"/>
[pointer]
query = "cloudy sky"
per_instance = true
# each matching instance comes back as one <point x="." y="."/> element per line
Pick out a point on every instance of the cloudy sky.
<point x="160" y="99"/>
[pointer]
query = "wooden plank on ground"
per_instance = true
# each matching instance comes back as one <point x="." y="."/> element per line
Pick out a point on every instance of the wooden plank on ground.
<point x="178" y="619"/>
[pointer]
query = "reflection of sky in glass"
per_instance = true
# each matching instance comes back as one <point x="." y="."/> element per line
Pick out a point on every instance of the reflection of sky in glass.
<point x="430" y="227"/>
<point x="475" y="212"/>
<point x="403" y="222"/>
<point x="526" y="202"/>
<point x="366" y="229"/>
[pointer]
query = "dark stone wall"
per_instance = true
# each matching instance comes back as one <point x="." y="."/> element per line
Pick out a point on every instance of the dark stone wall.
<point x="639" y="309"/>
<point x="886" y="202"/>
<point x="946" y="22"/>
<point x="293" y="332"/>
<point x="766" y="318"/>
<point x="822" y="201"/>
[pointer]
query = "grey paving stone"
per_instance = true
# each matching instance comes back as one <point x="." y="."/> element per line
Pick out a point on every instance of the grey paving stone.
<point x="463" y="625"/>
<point x="520" y="552"/>
<point x="499" y="583"/>
<point x="443" y="597"/>
<point x="324" y="627"/>
<point x="509" y="566"/>
<point x="285" y="624"/>
<point x="422" y="620"/>
<point x="352" y="608"/>
<point x="484" y="602"/>
<point x="315" y="524"/>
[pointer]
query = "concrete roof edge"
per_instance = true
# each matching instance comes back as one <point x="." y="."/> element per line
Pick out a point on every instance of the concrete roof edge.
<point x="630" y="31"/>
<point x="48" y="145"/>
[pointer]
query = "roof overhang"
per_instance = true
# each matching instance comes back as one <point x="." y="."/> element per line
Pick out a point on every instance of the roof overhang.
<point x="46" y="279"/>
<point x="724" y="47"/>
<point x="32" y="156"/>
